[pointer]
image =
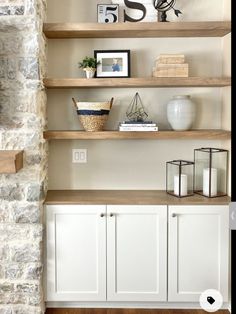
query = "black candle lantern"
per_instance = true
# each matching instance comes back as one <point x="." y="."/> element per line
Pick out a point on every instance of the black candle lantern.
<point x="179" y="178"/>
<point x="211" y="172"/>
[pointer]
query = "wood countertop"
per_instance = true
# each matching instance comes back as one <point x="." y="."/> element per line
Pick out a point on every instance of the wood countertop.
<point x="127" y="197"/>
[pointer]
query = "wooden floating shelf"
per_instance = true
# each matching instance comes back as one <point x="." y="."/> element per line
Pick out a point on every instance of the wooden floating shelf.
<point x="140" y="30"/>
<point x="127" y="197"/>
<point x="11" y="161"/>
<point x="137" y="82"/>
<point x="160" y="135"/>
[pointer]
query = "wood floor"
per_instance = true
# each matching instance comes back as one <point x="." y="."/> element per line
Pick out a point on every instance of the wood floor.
<point x="127" y="311"/>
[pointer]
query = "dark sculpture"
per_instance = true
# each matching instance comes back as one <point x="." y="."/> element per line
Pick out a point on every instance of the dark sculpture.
<point x="165" y="5"/>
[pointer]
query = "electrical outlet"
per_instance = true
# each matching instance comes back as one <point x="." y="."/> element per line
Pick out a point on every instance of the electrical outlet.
<point x="79" y="156"/>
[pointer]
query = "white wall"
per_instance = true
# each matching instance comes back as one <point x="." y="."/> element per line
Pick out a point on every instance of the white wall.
<point x="226" y="92"/>
<point x="86" y="10"/>
<point x="226" y="45"/>
<point x="129" y="164"/>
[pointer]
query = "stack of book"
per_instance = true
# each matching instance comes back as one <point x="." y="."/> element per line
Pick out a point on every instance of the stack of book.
<point x="171" y="66"/>
<point x="130" y="126"/>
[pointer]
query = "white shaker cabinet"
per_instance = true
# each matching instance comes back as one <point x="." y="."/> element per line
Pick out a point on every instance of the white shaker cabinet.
<point x="76" y="253"/>
<point x="119" y="253"/>
<point x="198" y="251"/>
<point x="136" y="253"/>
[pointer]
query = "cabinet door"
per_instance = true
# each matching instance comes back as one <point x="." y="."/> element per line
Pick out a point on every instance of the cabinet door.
<point x="136" y="253"/>
<point x="198" y="251"/>
<point x="76" y="253"/>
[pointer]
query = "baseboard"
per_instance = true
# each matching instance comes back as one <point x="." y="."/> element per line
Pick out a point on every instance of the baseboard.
<point x="141" y="305"/>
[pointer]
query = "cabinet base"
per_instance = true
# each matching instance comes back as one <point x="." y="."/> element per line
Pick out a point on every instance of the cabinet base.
<point x="140" y="305"/>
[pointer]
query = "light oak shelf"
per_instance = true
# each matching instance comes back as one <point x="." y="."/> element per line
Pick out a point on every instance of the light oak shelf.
<point x="137" y="82"/>
<point x="116" y="135"/>
<point x="11" y="161"/>
<point x="127" y="197"/>
<point x="137" y="30"/>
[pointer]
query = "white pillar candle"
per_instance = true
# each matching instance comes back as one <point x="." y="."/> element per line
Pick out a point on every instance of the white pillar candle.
<point x="206" y="181"/>
<point x="183" y="187"/>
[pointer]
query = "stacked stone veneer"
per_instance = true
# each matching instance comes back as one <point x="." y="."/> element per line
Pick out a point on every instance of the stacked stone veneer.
<point x="22" y="121"/>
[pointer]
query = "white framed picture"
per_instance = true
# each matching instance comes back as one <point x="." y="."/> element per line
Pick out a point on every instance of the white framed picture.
<point x="112" y="63"/>
<point x="108" y="13"/>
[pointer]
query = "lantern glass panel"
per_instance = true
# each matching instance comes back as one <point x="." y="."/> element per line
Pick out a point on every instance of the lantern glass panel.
<point x="179" y="178"/>
<point x="211" y="169"/>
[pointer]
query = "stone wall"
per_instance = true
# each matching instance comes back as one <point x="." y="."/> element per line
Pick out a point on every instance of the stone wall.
<point x="22" y="121"/>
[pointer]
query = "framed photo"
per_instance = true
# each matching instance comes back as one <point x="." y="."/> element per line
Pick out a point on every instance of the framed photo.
<point x="113" y="63"/>
<point x="108" y="13"/>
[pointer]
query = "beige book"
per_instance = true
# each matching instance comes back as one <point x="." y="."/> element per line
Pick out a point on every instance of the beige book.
<point x="170" y="59"/>
<point x="171" y="70"/>
<point x="162" y="66"/>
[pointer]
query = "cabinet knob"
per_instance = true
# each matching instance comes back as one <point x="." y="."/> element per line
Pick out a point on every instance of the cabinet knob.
<point x="111" y="214"/>
<point x="102" y="215"/>
<point x="174" y="215"/>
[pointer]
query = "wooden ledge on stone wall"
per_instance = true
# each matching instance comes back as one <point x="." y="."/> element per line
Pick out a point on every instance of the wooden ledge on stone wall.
<point x="11" y="161"/>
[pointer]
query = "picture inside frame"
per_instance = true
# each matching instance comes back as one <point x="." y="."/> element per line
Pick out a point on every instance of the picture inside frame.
<point x="113" y="63"/>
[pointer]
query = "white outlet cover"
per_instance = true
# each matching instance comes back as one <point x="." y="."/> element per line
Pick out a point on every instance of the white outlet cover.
<point x="79" y="156"/>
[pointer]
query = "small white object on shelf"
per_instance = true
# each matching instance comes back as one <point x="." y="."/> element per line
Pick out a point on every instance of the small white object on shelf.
<point x="181" y="112"/>
<point x="108" y="13"/>
<point x="90" y="72"/>
<point x="206" y="181"/>
<point x="138" y="128"/>
<point x="151" y="14"/>
<point x="183" y="187"/>
<point x="138" y="124"/>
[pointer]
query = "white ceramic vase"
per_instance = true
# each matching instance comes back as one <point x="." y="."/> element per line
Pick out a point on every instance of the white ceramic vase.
<point x="181" y="112"/>
<point x="90" y="72"/>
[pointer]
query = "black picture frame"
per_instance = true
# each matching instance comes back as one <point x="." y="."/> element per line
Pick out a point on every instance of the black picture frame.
<point x="105" y="68"/>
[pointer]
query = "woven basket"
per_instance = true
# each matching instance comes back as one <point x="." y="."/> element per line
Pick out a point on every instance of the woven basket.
<point x="93" y="115"/>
